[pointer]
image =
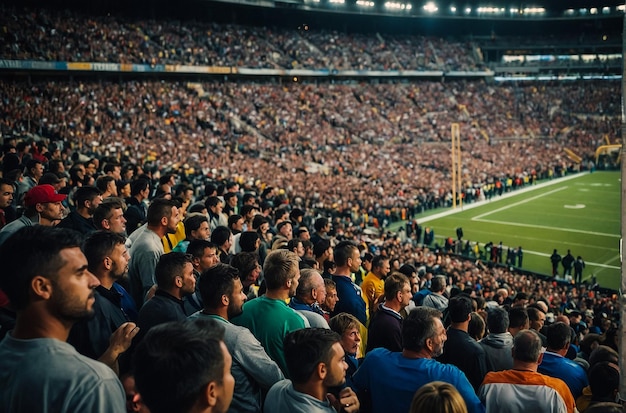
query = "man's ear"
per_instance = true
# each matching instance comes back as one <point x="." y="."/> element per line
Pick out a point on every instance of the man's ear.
<point x="540" y="359"/>
<point x="41" y="287"/>
<point x="321" y="371"/>
<point x="210" y="394"/>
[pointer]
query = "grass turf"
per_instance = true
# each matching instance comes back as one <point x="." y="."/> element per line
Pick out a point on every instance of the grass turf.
<point x="581" y="214"/>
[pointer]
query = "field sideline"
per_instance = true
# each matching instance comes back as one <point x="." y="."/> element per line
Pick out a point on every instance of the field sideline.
<point x="579" y="212"/>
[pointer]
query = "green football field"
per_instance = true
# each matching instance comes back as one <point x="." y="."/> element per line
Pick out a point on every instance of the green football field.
<point x="580" y="213"/>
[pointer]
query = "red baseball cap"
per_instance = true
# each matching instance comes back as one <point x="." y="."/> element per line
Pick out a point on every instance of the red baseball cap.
<point x="42" y="194"/>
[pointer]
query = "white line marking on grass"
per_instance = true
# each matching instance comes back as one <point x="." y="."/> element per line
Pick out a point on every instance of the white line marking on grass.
<point x="504" y="208"/>
<point x="579" y="231"/>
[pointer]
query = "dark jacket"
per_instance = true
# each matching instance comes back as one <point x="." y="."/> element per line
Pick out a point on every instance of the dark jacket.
<point x="78" y="223"/>
<point x="465" y="353"/>
<point x="385" y="330"/>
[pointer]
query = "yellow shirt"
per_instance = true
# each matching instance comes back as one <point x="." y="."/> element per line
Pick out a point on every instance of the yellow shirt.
<point x="373" y="287"/>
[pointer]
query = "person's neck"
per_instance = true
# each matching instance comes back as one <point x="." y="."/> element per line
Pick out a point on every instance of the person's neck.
<point x="524" y="366"/>
<point x="342" y="272"/>
<point x="83" y="212"/>
<point x="460" y="326"/>
<point x="412" y="354"/>
<point x="281" y="294"/>
<point x="36" y="322"/>
<point x="159" y="230"/>
<point x="560" y="352"/>
<point x="314" y="389"/>
<point x="221" y="312"/>
<point x="394" y="305"/>
<point x="106" y="280"/>
<point x="174" y="292"/>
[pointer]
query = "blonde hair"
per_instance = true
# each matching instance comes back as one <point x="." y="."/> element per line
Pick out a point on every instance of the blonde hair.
<point x="438" y="397"/>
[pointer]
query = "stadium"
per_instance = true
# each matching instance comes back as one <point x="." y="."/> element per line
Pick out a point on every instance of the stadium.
<point x="454" y="137"/>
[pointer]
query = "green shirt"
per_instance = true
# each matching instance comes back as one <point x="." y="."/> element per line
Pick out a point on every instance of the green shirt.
<point x="270" y="321"/>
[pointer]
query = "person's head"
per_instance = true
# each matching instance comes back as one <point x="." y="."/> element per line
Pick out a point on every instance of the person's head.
<point x="44" y="270"/>
<point x="304" y="234"/>
<point x="497" y="320"/>
<point x="438" y="284"/>
<point x="174" y="272"/>
<point x="603" y="353"/>
<point x="230" y="198"/>
<point x="604" y="381"/>
<point x="34" y="169"/>
<point x="248" y="265"/>
<point x="203" y="254"/>
<point x="322" y="225"/>
<point x="106" y="185"/>
<point x="346" y="254"/>
<point x="367" y="261"/>
<point x="235" y="222"/>
<point x="438" y="397"/>
<point x="214" y="204"/>
<point x="476" y="327"/>
<point x="140" y="188"/>
<point x="184" y="366"/>
<point x="527" y="347"/>
<point x="260" y="224"/>
<point x="296" y="215"/>
<point x="558" y="336"/>
<point x="397" y="290"/>
<point x="315" y="355"/>
<point x="285" y="228"/>
<point x="220" y="287"/>
<point x="197" y="227"/>
<point x="311" y="287"/>
<point x="423" y="331"/>
<point x="87" y="199"/>
<point x="349" y="329"/>
<point x="106" y="254"/>
<point x="109" y="215"/>
<point x="7" y="192"/>
<point x="380" y="266"/>
<point x="222" y="237"/>
<point x="134" y="403"/>
<point x="605" y="407"/>
<point x="536" y="318"/>
<point x="520" y="300"/>
<point x="322" y="248"/>
<point x="46" y="202"/>
<point x="281" y="271"/>
<point x="518" y="319"/>
<point x="460" y="308"/>
<point x="163" y="213"/>
<point x="249" y="241"/>
<point x="331" y="296"/>
<point x="295" y="245"/>
<point x="411" y="274"/>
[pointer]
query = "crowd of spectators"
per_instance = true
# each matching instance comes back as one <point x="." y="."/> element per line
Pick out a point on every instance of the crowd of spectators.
<point x="39" y="34"/>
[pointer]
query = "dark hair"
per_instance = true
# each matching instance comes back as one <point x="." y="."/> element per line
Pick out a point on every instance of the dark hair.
<point x="103" y="182"/>
<point x="527" y="346"/>
<point x="197" y="246"/>
<point x="233" y="219"/>
<point x="193" y="222"/>
<point x="533" y="313"/>
<point x="245" y="209"/>
<point x="158" y="209"/>
<point x="84" y="194"/>
<point x="104" y="210"/>
<point x="169" y="267"/>
<point x="343" y="251"/>
<point x="32" y="251"/>
<point x="138" y="186"/>
<point x="603" y="353"/>
<point x="220" y="235"/>
<point x="419" y="326"/>
<point x="459" y="308"/>
<point x="438" y="283"/>
<point x="247" y="241"/>
<point x="497" y="320"/>
<point x="604" y="380"/>
<point x="175" y="361"/>
<point x="518" y="317"/>
<point x="394" y="284"/>
<point x="212" y="201"/>
<point x="320" y="223"/>
<point x="216" y="282"/>
<point x="320" y="247"/>
<point x="257" y="221"/>
<point x="99" y="245"/>
<point x="378" y="260"/>
<point x="558" y="336"/>
<point x="293" y="243"/>
<point x="305" y="349"/>
<point x="406" y="269"/>
<point x="245" y="262"/>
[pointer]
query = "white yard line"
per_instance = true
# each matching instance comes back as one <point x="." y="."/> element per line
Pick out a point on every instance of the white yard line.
<point x="580" y="231"/>
<point x="504" y="208"/>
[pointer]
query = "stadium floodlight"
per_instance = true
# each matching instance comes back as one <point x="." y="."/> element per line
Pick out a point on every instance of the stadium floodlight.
<point x="534" y="10"/>
<point x="430" y="7"/>
<point x="582" y="11"/>
<point x="365" y="3"/>
<point x="621" y="8"/>
<point x="606" y="10"/>
<point x="339" y="2"/>
<point x="593" y="10"/>
<point x="392" y="5"/>
<point x="468" y="10"/>
<point x="453" y="9"/>
<point x="570" y="12"/>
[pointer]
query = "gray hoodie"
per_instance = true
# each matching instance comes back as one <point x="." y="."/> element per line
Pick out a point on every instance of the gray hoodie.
<point x="498" y="349"/>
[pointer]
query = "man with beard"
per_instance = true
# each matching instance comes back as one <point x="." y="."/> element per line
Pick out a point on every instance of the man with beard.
<point x="43" y="207"/>
<point x="254" y="371"/>
<point x="268" y="317"/>
<point x="147" y="247"/>
<point x="315" y="360"/>
<point x="393" y="378"/>
<point x="109" y="333"/>
<point x="46" y="277"/>
<point x="86" y="200"/>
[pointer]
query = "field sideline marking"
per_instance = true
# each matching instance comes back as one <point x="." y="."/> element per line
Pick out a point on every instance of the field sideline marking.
<point x="504" y="208"/>
<point x="580" y="231"/>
